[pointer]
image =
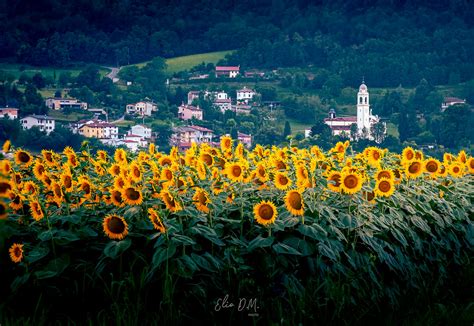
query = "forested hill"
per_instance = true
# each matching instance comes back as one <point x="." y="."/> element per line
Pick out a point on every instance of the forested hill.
<point x="395" y="41"/>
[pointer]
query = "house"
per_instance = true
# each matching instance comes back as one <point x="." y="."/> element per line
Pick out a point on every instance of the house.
<point x="193" y="95"/>
<point x="227" y="71"/>
<point x="43" y="122"/>
<point x="245" y="139"/>
<point x="184" y="136"/>
<point x="223" y="104"/>
<point x="449" y="101"/>
<point x="99" y="129"/>
<point x="98" y="112"/>
<point x="59" y="103"/>
<point x="141" y="108"/>
<point x="10" y="113"/>
<point x="141" y="131"/>
<point x="187" y="112"/>
<point x="245" y="94"/>
<point x="242" y="108"/>
<point x="135" y="139"/>
<point x="339" y="125"/>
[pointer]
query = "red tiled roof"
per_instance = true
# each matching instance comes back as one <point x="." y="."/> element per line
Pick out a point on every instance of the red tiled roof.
<point x="199" y="128"/>
<point x="132" y="135"/>
<point x="227" y="100"/>
<point x="130" y="141"/>
<point x="353" y="118"/>
<point x="227" y="68"/>
<point x="345" y="128"/>
<point x="452" y="99"/>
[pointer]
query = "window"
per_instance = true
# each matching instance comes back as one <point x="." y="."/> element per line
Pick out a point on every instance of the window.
<point x="360" y="100"/>
<point x="366" y="100"/>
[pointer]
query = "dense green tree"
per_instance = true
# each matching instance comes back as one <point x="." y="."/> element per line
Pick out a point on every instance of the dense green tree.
<point x="286" y="129"/>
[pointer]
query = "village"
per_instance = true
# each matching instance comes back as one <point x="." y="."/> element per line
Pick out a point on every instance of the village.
<point x="185" y="132"/>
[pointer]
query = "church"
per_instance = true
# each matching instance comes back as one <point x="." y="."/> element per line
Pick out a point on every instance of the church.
<point x="364" y="120"/>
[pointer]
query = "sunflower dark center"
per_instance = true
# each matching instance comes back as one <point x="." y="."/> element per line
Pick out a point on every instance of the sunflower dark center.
<point x="384" y="186"/>
<point x="283" y="180"/>
<point x="24" y="157"/>
<point x="414" y="167"/>
<point x="350" y="182"/>
<point x="4" y="187"/>
<point x="337" y="179"/>
<point x="116" y="225"/>
<point x="236" y="171"/>
<point x="295" y="200"/>
<point x="132" y="194"/>
<point x="432" y="166"/>
<point x="266" y="212"/>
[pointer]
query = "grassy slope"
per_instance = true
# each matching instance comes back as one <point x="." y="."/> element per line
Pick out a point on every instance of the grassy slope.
<point x="190" y="61"/>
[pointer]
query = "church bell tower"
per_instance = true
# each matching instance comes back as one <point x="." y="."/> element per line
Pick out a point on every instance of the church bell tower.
<point x="363" y="110"/>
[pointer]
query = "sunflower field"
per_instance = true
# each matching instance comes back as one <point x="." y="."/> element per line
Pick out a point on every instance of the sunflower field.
<point x="305" y="235"/>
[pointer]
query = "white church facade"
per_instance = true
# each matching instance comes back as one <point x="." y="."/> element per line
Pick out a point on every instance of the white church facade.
<point x="364" y="119"/>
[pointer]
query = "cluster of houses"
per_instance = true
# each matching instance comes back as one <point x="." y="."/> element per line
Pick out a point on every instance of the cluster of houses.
<point x="245" y="100"/>
<point x="231" y="72"/>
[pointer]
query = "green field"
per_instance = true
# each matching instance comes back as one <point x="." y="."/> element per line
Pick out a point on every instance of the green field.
<point x="189" y="61"/>
<point x="17" y="69"/>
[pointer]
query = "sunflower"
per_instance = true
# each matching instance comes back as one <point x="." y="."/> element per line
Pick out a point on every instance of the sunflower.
<point x="72" y="160"/>
<point x="5" y="187"/>
<point x="261" y="173"/>
<point x="66" y="181"/>
<point x="334" y="181"/>
<point x="235" y="171"/>
<point x="16" y="201"/>
<point x="201" y="170"/>
<point x="132" y="196"/>
<point x="432" y="166"/>
<point x="368" y="195"/>
<point x="206" y="158"/>
<point x="39" y="169"/>
<point x="115" y="227"/>
<point x="85" y="186"/>
<point x="120" y="182"/>
<point x="448" y="157"/>
<point x="443" y="171"/>
<point x="48" y="157"/>
<point x="7" y="145"/>
<point x="135" y="172"/>
<point x="156" y="220"/>
<point x="226" y="144"/>
<point x="151" y="148"/>
<point x="5" y="167"/>
<point x="301" y="173"/>
<point x="116" y="197"/>
<point x="3" y="210"/>
<point x="181" y="184"/>
<point x="456" y="169"/>
<point x="115" y="169"/>
<point x="384" y="187"/>
<point x="294" y="202"/>
<point x="351" y="182"/>
<point x="414" y="169"/>
<point x="101" y="155"/>
<point x="389" y="174"/>
<point x="171" y="203"/>
<point x="16" y="252"/>
<point x="408" y="154"/>
<point x="375" y="156"/>
<point x="167" y="175"/>
<point x="282" y="181"/>
<point x="265" y="212"/>
<point x="120" y="156"/>
<point x="279" y="165"/>
<point x="470" y="165"/>
<point x="36" y="210"/>
<point x="23" y="158"/>
<point x="165" y="160"/>
<point x="30" y="188"/>
<point x="201" y="200"/>
<point x="99" y="169"/>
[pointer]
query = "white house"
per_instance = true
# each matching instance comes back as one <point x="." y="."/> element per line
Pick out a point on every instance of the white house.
<point x="10" y="113"/>
<point x="59" y="103"/>
<point x="245" y="94"/>
<point x="43" y="122"/>
<point x="245" y="139"/>
<point x="449" y="101"/>
<point x="186" y="112"/>
<point x="99" y="129"/>
<point x="141" y="108"/>
<point x="141" y="131"/>
<point x="227" y="71"/>
<point x="223" y="104"/>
